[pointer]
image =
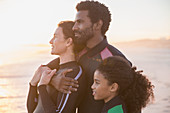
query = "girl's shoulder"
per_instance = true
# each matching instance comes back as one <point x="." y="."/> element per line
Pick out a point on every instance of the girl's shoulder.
<point x="116" y="109"/>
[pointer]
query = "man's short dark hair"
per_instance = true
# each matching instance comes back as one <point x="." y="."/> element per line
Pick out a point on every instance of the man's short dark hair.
<point x="96" y="11"/>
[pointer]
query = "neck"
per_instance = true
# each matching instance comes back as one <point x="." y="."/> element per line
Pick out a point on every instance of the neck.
<point x="94" y="41"/>
<point x="67" y="57"/>
<point x="110" y="97"/>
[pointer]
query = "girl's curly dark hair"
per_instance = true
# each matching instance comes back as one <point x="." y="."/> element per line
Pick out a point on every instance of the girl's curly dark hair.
<point x="134" y="88"/>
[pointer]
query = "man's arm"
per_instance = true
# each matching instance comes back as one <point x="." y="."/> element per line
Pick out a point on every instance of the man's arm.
<point x="64" y="84"/>
<point x="60" y="82"/>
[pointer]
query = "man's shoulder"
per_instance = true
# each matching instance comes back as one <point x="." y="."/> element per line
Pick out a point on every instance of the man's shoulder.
<point x="115" y="52"/>
<point x="111" y="51"/>
<point x="114" y="49"/>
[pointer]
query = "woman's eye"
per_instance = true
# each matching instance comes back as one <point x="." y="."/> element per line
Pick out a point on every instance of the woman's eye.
<point x="55" y="36"/>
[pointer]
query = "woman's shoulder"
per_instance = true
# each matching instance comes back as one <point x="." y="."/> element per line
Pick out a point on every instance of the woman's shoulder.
<point x="76" y="69"/>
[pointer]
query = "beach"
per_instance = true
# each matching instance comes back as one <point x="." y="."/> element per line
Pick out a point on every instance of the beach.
<point x="15" y="76"/>
<point x="155" y="62"/>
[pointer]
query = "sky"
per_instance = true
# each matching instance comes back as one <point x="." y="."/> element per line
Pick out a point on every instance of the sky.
<point x="34" y="21"/>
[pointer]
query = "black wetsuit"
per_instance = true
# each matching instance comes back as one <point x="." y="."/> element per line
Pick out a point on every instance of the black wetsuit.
<point x="89" y="60"/>
<point x="52" y="101"/>
<point x="115" y="105"/>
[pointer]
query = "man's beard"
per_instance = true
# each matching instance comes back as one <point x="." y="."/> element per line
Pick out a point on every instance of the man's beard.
<point x="85" y="35"/>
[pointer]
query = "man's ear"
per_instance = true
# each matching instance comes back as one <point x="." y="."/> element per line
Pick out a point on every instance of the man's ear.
<point x="98" y="25"/>
<point x="69" y="42"/>
<point x="114" y="87"/>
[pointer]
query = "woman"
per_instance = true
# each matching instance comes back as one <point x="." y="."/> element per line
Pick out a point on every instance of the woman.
<point x="49" y="99"/>
<point x="123" y="89"/>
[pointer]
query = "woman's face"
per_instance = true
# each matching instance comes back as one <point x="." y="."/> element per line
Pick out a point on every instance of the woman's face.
<point x="58" y="42"/>
<point x="100" y="87"/>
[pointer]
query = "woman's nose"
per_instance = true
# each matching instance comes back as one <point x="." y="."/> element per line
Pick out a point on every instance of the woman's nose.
<point x="51" y="41"/>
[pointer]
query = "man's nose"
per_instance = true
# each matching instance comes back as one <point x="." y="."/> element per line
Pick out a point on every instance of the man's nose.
<point x="75" y="27"/>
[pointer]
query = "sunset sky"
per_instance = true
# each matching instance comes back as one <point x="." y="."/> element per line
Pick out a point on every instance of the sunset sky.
<point x="34" y="21"/>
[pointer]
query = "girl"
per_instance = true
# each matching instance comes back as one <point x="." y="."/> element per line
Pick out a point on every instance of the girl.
<point x="123" y="89"/>
<point x="49" y="99"/>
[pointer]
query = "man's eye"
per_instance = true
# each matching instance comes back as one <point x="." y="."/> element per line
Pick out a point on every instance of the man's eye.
<point x="78" y="21"/>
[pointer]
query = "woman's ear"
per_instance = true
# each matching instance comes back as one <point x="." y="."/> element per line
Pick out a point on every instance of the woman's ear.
<point x="114" y="87"/>
<point x="69" y="42"/>
<point x="98" y="25"/>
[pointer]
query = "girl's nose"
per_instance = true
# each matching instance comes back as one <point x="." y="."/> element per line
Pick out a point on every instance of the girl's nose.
<point x="92" y="87"/>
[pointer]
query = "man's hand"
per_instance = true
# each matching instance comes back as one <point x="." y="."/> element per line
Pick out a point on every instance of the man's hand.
<point x="36" y="78"/>
<point x="46" y="76"/>
<point x="64" y="84"/>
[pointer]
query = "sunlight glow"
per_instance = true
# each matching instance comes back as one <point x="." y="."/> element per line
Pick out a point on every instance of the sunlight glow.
<point x="1" y="63"/>
<point x="3" y="92"/>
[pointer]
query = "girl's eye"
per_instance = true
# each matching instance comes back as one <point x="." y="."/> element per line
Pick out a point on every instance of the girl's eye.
<point x="96" y="82"/>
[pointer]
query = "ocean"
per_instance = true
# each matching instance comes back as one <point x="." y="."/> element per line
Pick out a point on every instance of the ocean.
<point x="17" y="72"/>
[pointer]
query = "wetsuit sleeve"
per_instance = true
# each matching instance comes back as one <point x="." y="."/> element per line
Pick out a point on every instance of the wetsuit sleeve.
<point x="48" y="105"/>
<point x="67" y="103"/>
<point x="32" y="98"/>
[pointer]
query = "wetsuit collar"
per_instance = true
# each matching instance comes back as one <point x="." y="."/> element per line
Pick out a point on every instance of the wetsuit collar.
<point x="112" y="103"/>
<point x="98" y="48"/>
<point x="68" y="64"/>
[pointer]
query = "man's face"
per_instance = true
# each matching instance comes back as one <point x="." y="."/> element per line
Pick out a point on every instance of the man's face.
<point x="83" y="27"/>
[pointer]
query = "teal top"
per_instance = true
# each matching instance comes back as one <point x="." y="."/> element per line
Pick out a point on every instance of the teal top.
<point x="115" y="105"/>
<point x="116" y="109"/>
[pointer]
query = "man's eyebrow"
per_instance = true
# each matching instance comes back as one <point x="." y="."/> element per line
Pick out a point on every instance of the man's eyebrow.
<point x="78" y="20"/>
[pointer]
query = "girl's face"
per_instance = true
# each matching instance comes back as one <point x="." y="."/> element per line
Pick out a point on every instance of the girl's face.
<point x="100" y="87"/>
<point x="58" y="42"/>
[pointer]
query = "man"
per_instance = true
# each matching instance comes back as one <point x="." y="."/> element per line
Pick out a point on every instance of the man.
<point x="91" y="23"/>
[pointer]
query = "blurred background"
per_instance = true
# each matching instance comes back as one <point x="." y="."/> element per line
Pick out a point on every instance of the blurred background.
<point x="139" y="28"/>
